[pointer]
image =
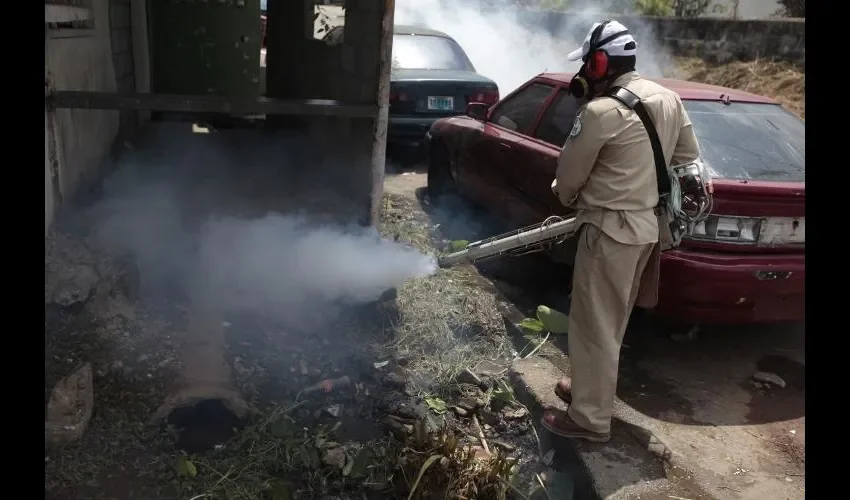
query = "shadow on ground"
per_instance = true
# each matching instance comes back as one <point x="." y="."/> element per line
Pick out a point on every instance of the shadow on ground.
<point x="406" y="159"/>
<point x="708" y="381"/>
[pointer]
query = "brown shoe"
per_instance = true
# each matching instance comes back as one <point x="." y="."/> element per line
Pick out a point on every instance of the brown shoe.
<point x="564" y="390"/>
<point x="559" y="423"/>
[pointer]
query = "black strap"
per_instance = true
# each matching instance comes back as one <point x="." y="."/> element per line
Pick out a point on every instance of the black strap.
<point x="632" y="101"/>
<point x="607" y="39"/>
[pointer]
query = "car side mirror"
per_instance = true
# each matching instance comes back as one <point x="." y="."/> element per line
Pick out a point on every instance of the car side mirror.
<point x="477" y="110"/>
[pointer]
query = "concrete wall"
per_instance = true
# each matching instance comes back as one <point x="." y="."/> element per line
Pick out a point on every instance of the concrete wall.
<point x="81" y="59"/>
<point x="717" y="40"/>
<point x="111" y="56"/>
<point x="747" y="9"/>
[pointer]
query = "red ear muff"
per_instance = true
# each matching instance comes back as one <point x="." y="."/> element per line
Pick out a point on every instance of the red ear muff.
<point x="597" y="65"/>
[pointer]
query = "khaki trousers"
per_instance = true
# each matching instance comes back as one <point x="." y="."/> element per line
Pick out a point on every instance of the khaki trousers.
<point x="606" y="279"/>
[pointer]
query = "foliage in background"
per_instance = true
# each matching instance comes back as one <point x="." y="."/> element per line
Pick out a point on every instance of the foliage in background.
<point x="690" y="8"/>
<point x="556" y="5"/>
<point x="642" y="7"/>
<point x="680" y="8"/>
<point x="792" y="8"/>
<point x="654" y="7"/>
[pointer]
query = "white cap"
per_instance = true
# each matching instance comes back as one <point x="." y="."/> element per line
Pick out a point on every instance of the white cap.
<point x="615" y="46"/>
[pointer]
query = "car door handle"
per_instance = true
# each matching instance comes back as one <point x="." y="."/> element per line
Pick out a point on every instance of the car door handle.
<point x="504" y="145"/>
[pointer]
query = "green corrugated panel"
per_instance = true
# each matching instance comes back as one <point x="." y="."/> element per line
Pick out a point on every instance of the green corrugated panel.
<point x="205" y="46"/>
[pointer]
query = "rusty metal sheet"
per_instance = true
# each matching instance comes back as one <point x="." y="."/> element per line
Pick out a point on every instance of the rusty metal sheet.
<point x="210" y="104"/>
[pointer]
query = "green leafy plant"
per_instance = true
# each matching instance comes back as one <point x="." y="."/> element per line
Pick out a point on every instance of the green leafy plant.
<point x="458" y="245"/>
<point x="532" y="325"/>
<point x="553" y="320"/>
<point x="436" y="404"/>
<point x="185" y="468"/>
<point x="654" y="7"/>
<point x="548" y="320"/>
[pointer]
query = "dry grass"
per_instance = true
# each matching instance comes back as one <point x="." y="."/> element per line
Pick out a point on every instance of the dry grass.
<point x="445" y="322"/>
<point x="277" y="459"/>
<point x="441" y="463"/>
<point x="779" y="80"/>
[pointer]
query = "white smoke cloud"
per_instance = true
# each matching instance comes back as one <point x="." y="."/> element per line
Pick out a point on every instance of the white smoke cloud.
<point x="234" y="223"/>
<point x="503" y="49"/>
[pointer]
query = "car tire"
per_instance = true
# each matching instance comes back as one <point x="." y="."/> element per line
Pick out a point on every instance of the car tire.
<point x="441" y="184"/>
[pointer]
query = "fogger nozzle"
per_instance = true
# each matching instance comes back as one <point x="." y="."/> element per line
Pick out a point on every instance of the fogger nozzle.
<point x="553" y="230"/>
<point x="454" y="258"/>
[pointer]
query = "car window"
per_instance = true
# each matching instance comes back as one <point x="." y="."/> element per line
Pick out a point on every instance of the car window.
<point x="558" y="119"/>
<point x="518" y="111"/>
<point x="428" y="52"/>
<point x="750" y="141"/>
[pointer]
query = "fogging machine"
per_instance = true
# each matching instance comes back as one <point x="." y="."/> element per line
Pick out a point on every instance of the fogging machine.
<point x="688" y="203"/>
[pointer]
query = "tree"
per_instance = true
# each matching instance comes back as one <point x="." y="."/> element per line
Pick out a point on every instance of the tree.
<point x="679" y="8"/>
<point x="792" y="8"/>
<point x="734" y="6"/>
<point x="654" y="7"/>
<point x="690" y="8"/>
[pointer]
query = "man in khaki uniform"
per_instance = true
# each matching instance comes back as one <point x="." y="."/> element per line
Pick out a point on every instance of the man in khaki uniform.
<point x="607" y="170"/>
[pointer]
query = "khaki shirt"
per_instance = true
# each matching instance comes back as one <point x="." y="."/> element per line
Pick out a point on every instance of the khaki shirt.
<point x="607" y="168"/>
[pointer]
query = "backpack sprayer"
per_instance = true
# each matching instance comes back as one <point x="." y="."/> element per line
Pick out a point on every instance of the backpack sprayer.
<point x="688" y="203"/>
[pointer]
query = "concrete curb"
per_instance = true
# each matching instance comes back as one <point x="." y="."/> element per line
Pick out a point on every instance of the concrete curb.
<point x="634" y="464"/>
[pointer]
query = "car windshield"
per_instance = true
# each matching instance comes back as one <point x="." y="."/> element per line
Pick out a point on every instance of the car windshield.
<point x="427" y="52"/>
<point x="750" y="141"/>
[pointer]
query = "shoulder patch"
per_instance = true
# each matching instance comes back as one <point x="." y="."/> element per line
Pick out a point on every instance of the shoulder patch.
<point x="576" y="130"/>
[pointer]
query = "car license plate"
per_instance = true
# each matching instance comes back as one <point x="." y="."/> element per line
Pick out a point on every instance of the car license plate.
<point x="782" y="231"/>
<point x="440" y="103"/>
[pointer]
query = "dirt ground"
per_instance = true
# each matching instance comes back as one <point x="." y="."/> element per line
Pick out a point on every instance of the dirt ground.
<point x="352" y="406"/>
<point x="782" y="81"/>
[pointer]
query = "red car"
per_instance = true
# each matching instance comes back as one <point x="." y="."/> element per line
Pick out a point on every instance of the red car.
<point x="744" y="264"/>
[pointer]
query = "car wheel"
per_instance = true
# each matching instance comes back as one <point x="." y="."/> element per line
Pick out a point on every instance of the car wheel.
<point x="440" y="181"/>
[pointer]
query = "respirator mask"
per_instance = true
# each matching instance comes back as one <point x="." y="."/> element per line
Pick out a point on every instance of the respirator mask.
<point x="595" y="67"/>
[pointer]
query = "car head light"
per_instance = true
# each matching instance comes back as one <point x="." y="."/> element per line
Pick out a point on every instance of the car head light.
<point x="725" y="229"/>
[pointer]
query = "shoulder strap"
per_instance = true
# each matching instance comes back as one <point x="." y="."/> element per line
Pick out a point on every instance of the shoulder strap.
<point x="632" y="101"/>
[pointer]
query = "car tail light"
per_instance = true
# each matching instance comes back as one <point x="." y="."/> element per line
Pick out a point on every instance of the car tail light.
<point x="487" y="96"/>
<point x="398" y="96"/>
<point x="725" y="229"/>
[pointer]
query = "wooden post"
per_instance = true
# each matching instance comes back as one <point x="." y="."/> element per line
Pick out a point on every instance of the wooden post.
<point x="379" y="143"/>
